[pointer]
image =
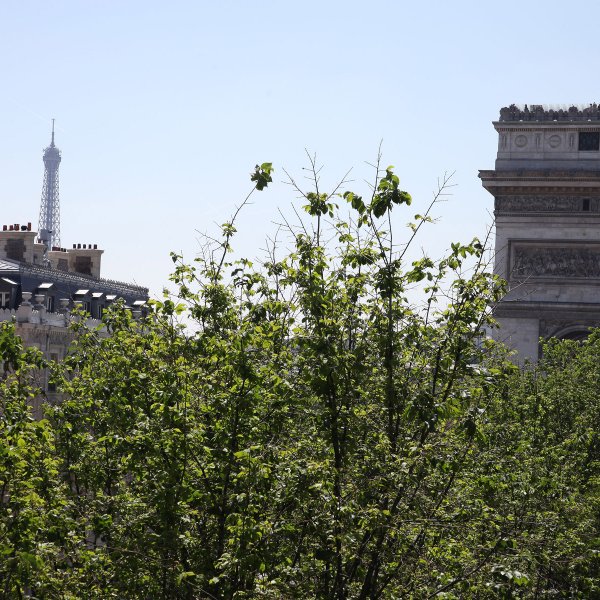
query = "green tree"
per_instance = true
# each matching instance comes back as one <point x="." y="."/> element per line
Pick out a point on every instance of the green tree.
<point x="539" y="475"/>
<point x="305" y="439"/>
<point x="32" y="499"/>
<point x="301" y="429"/>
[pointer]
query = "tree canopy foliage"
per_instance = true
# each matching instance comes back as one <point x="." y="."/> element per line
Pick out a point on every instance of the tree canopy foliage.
<point x="308" y="433"/>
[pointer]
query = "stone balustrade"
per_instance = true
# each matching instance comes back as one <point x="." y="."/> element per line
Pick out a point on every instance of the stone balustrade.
<point x="26" y="313"/>
<point x="7" y="314"/>
<point x="539" y="112"/>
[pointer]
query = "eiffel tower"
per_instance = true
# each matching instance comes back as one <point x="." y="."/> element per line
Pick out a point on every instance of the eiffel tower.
<point x="49" y="223"/>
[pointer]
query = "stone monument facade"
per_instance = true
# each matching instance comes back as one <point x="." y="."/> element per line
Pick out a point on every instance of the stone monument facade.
<point x="546" y="188"/>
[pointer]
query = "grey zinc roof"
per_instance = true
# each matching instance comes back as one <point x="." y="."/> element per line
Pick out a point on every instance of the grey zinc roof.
<point x="8" y="266"/>
<point x="41" y="276"/>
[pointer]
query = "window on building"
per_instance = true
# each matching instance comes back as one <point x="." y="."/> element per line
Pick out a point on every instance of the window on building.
<point x="589" y="141"/>
<point x="4" y="299"/>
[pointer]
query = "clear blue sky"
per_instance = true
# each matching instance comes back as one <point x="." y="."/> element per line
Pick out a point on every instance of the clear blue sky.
<point x="163" y="108"/>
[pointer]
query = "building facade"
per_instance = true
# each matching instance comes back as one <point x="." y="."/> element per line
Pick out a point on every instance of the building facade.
<point x="38" y="294"/>
<point x="546" y="188"/>
<point x="41" y="283"/>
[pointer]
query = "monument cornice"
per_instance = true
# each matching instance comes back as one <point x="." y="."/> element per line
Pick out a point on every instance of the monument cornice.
<point x="508" y="188"/>
<point x="554" y="127"/>
<point x="524" y="216"/>
<point x="547" y="310"/>
<point x="567" y="311"/>
<point x="542" y="174"/>
<point x="533" y="190"/>
<point x="541" y="182"/>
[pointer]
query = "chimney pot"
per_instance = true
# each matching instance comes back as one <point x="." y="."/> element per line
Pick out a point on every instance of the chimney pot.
<point x="28" y="226"/>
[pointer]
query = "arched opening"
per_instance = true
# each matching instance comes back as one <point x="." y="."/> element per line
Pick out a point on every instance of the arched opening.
<point x="578" y="333"/>
<point x="578" y="336"/>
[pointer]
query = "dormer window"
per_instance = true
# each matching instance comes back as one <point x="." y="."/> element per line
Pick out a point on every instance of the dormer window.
<point x="83" y="296"/>
<point x="7" y="288"/>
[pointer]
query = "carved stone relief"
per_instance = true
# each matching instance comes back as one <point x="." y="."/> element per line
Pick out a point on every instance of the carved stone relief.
<point x="531" y="261"/>
<point x="546" y="204"/>
<point x="554" y="141"/>
<point x="521" y="141"/>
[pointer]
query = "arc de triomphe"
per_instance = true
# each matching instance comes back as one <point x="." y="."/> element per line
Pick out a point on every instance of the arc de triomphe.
<point x="546" y="188"/>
